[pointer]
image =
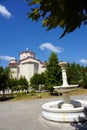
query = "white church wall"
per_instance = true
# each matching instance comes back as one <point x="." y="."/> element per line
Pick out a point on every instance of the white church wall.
<point x="27" y="66"/>
<point x="14" y="72"/>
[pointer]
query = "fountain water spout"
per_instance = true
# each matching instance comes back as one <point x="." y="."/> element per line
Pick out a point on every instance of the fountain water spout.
<point x="65" y="88"/>
<point x="64" y="76"/>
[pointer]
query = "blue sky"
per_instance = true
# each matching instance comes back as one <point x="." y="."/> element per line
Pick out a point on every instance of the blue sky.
<point x="17" y="33"/>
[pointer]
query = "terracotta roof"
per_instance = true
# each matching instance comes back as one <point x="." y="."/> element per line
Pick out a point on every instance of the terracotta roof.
<point x="12" y="64"/>
<point x="31" y="52"/>
<point x="28" y="58"/>
<point x="44" y="63"/>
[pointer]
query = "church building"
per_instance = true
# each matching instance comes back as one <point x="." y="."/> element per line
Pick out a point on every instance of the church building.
<point x="26" y="66"/>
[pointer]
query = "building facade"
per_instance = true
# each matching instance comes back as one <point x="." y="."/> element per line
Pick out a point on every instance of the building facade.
<point x="26" y="66"/>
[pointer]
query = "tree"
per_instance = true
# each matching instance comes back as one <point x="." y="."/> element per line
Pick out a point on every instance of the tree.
<point x="37" y="79"/>
<point x="23" y="83"/>
<point x="67" y="14"/>
<point x="14" y="84"/>
<point x="83" y="80"/>
<point x="4" y="78"/>
<point x="77" y="74"/>
<point x="18" y="84"/>
<point x="53" y="72"/>
<point x="73" y="73"/>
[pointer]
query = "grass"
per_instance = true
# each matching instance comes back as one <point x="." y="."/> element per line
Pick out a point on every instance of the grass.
<point x="30" y="96"/>
<point x="79" y="91"/>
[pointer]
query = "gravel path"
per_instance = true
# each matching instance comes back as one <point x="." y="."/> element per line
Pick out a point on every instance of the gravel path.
<point x="27" y="115"/>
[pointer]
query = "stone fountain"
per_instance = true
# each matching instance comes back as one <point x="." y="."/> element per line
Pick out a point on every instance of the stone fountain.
<point x="65" y="110"/>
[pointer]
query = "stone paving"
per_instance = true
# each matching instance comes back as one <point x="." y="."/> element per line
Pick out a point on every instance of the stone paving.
<point x="27" y="115"/>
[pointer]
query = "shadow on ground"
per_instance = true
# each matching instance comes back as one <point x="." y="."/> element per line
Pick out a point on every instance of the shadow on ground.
<point x="5" y="97"/>
<point x="82" y="122"/>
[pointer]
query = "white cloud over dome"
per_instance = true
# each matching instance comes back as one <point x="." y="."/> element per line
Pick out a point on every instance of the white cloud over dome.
<point x="4" y="12"/>
<point x="7" y="58"/>
<point x="84" y="61"/>
<point x="51" y="47"/>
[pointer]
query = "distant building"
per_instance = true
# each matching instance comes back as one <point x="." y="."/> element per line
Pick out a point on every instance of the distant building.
<point x="27" y="65"/>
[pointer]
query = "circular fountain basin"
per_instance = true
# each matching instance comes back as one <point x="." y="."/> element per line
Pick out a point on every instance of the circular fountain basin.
<point x="53" y="112"/>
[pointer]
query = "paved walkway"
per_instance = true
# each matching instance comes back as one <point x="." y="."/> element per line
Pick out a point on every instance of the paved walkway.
<point x="26" y="115"/>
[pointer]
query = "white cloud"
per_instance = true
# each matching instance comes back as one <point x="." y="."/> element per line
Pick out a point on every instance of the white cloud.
<point x="4" y="12"/>
<point x="50" y="47"/>
<point x="84" y="61"/>
<point x="7" y="58"/>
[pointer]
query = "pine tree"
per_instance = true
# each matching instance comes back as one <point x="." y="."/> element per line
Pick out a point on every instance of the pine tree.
<point x="53" y="72"/>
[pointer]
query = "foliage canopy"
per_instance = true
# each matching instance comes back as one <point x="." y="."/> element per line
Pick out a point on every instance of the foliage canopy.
<point x="37" y="79"/>
<point x="67" y="14"/>
<point x="4" y="78"/>
<point x="77" y="74"/>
